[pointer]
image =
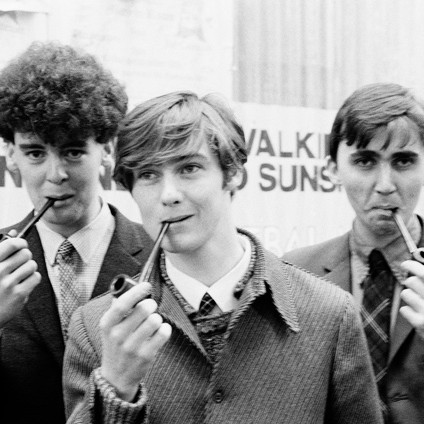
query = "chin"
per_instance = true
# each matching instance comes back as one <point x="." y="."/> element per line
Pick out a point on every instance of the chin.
<point x="178" y="246"/>
<point x="385" y="229"/>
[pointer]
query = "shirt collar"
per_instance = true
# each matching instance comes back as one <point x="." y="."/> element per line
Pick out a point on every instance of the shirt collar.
<point x="86" y="240"/>
<point x="395" y="252"/>
<point x="222" y="291"/>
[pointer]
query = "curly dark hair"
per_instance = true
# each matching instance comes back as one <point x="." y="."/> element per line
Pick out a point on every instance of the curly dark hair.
<point x="60" y="94"/>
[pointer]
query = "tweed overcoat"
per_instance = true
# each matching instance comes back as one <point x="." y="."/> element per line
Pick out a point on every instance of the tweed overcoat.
<point x="32" y="347"/>
<point x="405" y="376"/>
<point x="295" y="353"/>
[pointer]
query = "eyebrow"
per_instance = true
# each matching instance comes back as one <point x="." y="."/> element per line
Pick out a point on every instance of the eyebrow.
<point x="374" y="153"/>
<point x="26" y="146"/>
<point x="196" y="156"/>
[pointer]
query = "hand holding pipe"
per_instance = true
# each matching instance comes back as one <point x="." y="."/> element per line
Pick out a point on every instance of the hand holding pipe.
<point x="416" y="252"/>
<point x="24" y="232"/>
<point x="122" y="282"/>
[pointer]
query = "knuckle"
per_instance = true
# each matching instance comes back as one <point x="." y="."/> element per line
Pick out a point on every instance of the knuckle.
<point x="149" y="305"/>
<point x="154" y="321"/>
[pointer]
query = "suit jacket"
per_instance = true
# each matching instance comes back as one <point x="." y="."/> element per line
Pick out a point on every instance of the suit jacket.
<point x="32" y="347"/>
<point x="405" y="377"/>
<point x="295" y="352"/>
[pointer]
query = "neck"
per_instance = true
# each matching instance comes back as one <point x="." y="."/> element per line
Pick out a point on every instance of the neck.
<point x="383" y="239"/>
<point x="210" y="263"/>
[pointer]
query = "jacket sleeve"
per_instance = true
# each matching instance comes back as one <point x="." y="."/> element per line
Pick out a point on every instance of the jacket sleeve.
<point x="353" y="392"/>
<point x="89" y="398"/>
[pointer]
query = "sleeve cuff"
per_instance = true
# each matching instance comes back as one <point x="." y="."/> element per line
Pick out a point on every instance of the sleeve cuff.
<point x="116" y="410"/>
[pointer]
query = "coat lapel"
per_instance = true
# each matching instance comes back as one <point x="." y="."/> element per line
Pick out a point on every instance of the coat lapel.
<point x="171" y="310"/>
<point x="401" y="331"/>
<point x="128" y="250"/>
<point x="41" y="305"/>
<point x="337" y="266"/>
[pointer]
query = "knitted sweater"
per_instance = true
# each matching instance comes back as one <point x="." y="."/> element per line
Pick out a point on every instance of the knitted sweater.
<point x="294" y="353"/>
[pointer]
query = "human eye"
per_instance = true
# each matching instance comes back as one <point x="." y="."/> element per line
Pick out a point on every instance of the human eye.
<point x="364" y="161"/>
<point x="404" y="161"/>
<point x="190" y="168"/>
<point x="35" y="154"/>
<point x="147" y="175"/>
<point x="74" y="154"/>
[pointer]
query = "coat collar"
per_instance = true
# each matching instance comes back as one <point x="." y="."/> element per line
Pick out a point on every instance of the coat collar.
<point x="270" y="275"/>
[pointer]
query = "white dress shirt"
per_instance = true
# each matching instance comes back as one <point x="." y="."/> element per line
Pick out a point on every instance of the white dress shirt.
<point x="91" y="243"/>
<point x="222" y="291"/>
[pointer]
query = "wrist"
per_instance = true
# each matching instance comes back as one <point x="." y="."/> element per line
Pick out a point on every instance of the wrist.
<point x="126" y="391"/>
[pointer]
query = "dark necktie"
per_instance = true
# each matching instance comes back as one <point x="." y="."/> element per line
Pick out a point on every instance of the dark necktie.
<point x="206" y="305"/>
<point x="375" y="311"/>
<point x="66" y="259"/>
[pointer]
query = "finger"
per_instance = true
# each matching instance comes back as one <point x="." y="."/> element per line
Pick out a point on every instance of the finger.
<point x="26" y="286"/>
<point x="121" y="307"/>
<point x="9" y="246"/>
<point x="415" y="284"/>
<point x="414" y="267"/>
<point x="143" y="332"/>
<point x="412" y="299"/>
<point x="156" y="342"/>
<point x="138" y="316"/>
<point x="414" y="318"/>
<point x="161" y="336"/>
<point x="21" y="273"/>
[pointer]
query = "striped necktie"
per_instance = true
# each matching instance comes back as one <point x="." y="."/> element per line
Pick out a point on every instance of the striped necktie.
<point x="67" y="258"/>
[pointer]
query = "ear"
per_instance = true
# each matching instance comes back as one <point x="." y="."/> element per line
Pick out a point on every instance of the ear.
<point x="107" y="155"/>
<point x="332" y="170"/>
<point x="11" y="164"/>
<point x="234" y="182"/>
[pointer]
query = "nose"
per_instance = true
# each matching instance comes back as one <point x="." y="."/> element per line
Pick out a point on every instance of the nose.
<point x="171" y="193"/>
<point x="385" y="180"/>
<point x="56" y="169"/>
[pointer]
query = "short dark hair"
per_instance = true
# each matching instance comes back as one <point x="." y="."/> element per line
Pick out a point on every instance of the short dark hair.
<point x="372" y="107"/>
<point x="174" y="124"/>
<point x="61" y="95"/>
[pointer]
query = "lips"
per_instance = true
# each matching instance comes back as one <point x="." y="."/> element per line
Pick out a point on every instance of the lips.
<point x="180" y="218"/>
<point x="386" y="208"/>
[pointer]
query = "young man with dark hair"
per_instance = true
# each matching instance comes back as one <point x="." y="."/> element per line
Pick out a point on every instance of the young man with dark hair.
<point x="377" y="155"/>
<point x="231" y="334"/>
<point x="59" y="113"/>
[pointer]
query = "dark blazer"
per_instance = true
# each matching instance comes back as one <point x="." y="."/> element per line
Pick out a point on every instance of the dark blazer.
<point x="295" y="353"/>
<point x="32" y="347"/>
<point x="405" y="377"/>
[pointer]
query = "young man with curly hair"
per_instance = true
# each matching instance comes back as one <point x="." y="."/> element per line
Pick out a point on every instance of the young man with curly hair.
<point x="59" y="113"/>
<point x="231" y="334"/>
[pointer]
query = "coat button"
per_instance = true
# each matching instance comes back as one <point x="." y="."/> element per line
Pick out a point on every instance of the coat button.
<point x="218" y="396"/>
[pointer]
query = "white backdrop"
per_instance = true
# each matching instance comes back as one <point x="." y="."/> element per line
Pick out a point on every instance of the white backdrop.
<point x="286" y="198"/>
<point x="159" y="46"/>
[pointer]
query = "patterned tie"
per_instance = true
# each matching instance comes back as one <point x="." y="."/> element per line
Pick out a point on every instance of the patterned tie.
<point x="375" y="311"/>
<point x="206" y="305"/>
<point x="66" y="259"/>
